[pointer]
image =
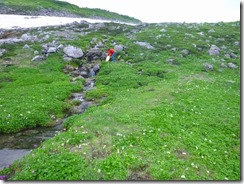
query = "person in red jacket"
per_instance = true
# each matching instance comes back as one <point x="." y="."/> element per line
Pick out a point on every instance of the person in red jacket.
<point x="111" y="53"/>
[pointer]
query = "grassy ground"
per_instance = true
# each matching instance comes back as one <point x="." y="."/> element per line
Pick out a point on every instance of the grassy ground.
<point x="155" y="120"/>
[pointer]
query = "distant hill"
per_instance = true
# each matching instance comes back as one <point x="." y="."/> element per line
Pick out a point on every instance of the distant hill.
<point x="58" y="8"/>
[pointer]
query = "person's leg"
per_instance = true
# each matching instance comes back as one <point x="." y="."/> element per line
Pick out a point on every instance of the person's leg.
<point x="113" y="57"/>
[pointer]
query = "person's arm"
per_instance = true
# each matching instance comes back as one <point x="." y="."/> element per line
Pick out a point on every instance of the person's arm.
<point x="110" y="52"/>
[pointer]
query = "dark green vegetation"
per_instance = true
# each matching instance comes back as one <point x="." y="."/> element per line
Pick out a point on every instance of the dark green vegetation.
<point x="160" y="116"/>
<point x="58" y="8"/>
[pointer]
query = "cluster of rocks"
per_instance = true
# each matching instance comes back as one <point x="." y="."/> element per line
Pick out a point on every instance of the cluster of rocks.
<point x="98" y="50"/>
<point x="215" y="51"/>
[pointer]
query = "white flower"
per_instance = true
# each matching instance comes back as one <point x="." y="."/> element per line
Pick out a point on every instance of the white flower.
<point x="183" y="176"/>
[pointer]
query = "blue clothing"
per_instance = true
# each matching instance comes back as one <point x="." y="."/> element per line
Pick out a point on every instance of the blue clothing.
<point x="113" y="56"/>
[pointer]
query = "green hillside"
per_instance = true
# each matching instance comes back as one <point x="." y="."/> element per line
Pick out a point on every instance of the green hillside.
<point x="166" y="109"/>
<point x="58" y="8"/>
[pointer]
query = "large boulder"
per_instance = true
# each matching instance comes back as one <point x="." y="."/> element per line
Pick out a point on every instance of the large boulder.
<point x="73" y="52"/>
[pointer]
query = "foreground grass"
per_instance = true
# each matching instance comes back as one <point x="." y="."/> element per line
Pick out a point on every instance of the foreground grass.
<point x="167" y="130"/>
<point x="154" y="121"/>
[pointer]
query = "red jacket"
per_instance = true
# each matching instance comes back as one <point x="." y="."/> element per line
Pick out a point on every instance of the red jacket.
<point x="110" y="52"/>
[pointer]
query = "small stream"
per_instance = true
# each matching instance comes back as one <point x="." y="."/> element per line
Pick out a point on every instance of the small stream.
<point x="15" y="146"/>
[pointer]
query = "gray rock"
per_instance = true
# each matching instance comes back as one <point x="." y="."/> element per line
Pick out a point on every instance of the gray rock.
<point x="237" y="43"/>
<point x="232" y="66"/>
<point x="66" y="58"/>
<point x="95" y="68"/>
<point x="2" y="51"/>
<point x="26" y="46"/>
<point x="94" y="53"/>
<point x="73" y="52"/>
<point x="223" y="65"/>
<point x="227" y="55"/>
<point x="214" y="50"/>
<point x="36" y="52"/>
<point x="232" y="55"/>
<point x="84" y="73"/>
<point x="38" y="58"/>
<point x="52" y="50"/>
<point x="163" y="30"/>
<point x="208" y="67"/>
<point x="118" y="48"/>
<point x="144" y="44"/>
<point x="185" y="52"/>
<point x="211" y="31"/>
<point x="61" y="46"/>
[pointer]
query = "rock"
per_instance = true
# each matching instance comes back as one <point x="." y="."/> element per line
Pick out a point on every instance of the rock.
<point x="96" y="68"/>
<point x="84" y="74"/>
<point x="227" y="55"/>
<point x="36" y="52"/>
<point x="66" y="58"/>
<point x="26" y="46"/>
<point x="61" y="46"/>
<point x="208" y="67"/>
<point x="73" y="52"/>
<point x="232" y="66"/>
<point x="232" y="55"/>
<point x="223" y="65"/>
<point x="185" y="52"/>
<point x="118" y="48"/>
<point x="201" y="33"/>
<point x="38" y="58"/>
<point x="2" y="51"/>
<point x="94" y="54"/>
<point x="211" y="31"/>
<point x="214" y="50"/>
<point x="236" y="43"/>
<point x="144" y="44"/>
<point x="27" y="37"/>
<point x="163" y="30"/>
<point x="52" y="50"/>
